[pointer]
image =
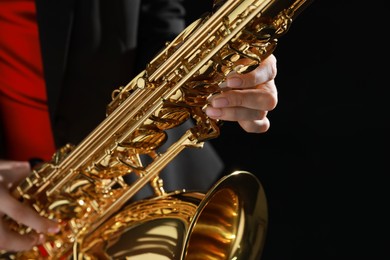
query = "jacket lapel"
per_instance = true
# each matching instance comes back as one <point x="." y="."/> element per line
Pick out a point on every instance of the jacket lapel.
<point x="54" y="22"/>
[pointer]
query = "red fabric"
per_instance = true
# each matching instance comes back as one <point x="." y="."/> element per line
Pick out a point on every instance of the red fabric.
<point x="23" y="102"/>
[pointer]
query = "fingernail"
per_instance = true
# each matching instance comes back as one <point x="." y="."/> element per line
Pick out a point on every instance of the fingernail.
<point x="223" y="84"/>
<point x="234" y="82"/>
<point x="220" y="102"/>
<point x="41" y="239"/>
<point x="37" y="239"/>
<point x="54" y="230"/>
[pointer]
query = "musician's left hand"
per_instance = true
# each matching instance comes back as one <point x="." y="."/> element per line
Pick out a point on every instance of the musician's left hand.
<point x="247" y="98"/>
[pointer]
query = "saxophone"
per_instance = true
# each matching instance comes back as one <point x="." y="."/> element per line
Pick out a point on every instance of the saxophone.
<point x="87" y="188"/>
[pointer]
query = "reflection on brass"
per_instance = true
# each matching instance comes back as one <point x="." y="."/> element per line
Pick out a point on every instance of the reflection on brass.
<point x="87" y="188"/>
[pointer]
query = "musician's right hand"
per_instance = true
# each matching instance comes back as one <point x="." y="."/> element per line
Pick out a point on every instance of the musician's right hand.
<point x="11" y="173"/>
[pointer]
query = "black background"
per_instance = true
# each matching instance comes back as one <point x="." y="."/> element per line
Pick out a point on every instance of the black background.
<point x="324" y="163"/>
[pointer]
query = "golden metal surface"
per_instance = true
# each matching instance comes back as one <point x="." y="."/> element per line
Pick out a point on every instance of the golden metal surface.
<point x="86" y="188"/>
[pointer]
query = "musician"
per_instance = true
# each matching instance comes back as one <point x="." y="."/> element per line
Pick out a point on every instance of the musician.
<point x="60" y="61"/>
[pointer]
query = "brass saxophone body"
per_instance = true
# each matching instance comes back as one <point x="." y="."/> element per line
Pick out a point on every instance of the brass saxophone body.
<point x="86" y="187"/>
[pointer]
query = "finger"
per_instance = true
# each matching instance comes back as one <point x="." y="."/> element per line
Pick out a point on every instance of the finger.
<point x="266" y="71"/>
<point x="256" y="126"/>
<point x="257" y="99"/>
<point x="13" y="241"/>
<point x="13" y="172"/>
<point x="25" y="215"/>
<point x="235" y="114"/>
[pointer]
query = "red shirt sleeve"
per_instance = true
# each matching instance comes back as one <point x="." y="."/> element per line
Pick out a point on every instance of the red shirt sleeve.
<point x="23" y="101"/>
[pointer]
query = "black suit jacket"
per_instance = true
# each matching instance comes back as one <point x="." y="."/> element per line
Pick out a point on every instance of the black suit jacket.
<point x="92" y="47"/>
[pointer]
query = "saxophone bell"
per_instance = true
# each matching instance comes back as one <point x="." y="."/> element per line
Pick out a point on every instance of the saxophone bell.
<point x="228" y="222"/>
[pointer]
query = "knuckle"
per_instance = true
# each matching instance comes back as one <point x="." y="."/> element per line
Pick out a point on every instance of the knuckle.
<point x="269" y="99"/>
<point x="271" y="71"/>
<point x="235" y="98"/>
<point x="273" y="68"/>
<point x="259" y="126"/>
<point x="273" y="102"/>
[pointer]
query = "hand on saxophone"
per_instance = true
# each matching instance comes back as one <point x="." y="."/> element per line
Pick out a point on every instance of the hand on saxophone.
<point x="11" y="173"/>
<point x="247" y="98"/>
